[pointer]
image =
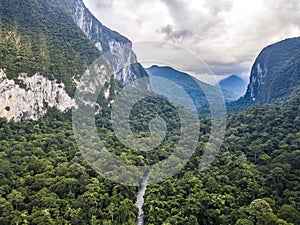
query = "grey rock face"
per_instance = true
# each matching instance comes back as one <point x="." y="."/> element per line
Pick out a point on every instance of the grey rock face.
<point x="116" y="48"/>
<point x="31" y="101"/>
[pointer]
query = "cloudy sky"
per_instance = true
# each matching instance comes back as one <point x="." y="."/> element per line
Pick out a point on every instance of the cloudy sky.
<point x="226" y="34"/>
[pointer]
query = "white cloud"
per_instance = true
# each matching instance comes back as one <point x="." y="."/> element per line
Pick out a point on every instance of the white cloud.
<point x="226" y="34"/>
<point x="137" y="20"/>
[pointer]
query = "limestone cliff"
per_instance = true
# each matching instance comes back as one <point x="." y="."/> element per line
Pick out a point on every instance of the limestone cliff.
<point x="116" y="48"/>
<point x="30" y="98"/>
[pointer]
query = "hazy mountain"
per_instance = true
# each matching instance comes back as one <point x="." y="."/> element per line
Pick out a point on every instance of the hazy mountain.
<point x="195" y="89"/>
<point x="234" y="84"/>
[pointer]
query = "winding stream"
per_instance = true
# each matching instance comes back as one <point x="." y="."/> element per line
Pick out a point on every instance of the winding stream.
<point x="140" y="199"/>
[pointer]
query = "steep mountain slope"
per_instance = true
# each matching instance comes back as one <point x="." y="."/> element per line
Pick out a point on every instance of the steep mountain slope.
<point x="40" y="37"/>
<point x="275" y="74"/>
<point x="118" y="49"/>
<point x="196" y="89"/>
<point x="53" y="39"/>
<point x="234" y="84"/>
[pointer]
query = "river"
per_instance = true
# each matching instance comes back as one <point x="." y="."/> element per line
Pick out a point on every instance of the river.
<point x="140" y="199"/>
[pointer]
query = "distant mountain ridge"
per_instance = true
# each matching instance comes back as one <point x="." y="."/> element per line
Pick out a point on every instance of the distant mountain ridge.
<point x="275" y="75"/>
<point x="234" y="84"/>
<point x="196" y="89"/>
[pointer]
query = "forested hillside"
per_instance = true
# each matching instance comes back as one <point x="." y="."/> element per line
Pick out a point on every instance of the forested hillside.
<point x="45" y="180"/>
<point x="254" y="180"/>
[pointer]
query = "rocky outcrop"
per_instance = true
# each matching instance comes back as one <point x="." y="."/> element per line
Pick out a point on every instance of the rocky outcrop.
<point x="29" y="99"/>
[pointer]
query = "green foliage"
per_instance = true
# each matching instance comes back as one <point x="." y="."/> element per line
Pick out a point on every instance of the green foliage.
<point x="289" y="213"/>
<point x="44" y="179"/>
<point x="244" y="222"/>
<point x="262" y="212"/>
<point x="253" y="180"/>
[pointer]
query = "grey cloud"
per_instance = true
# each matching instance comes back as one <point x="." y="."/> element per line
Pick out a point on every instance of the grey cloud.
<point x="226" y="34"/>
<point x="175" y="35"/>
<point x="176" y="6"/>
<point x="216" y="7"/>
<point x="203" y="20"/>
<point x="211" y="35"/>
